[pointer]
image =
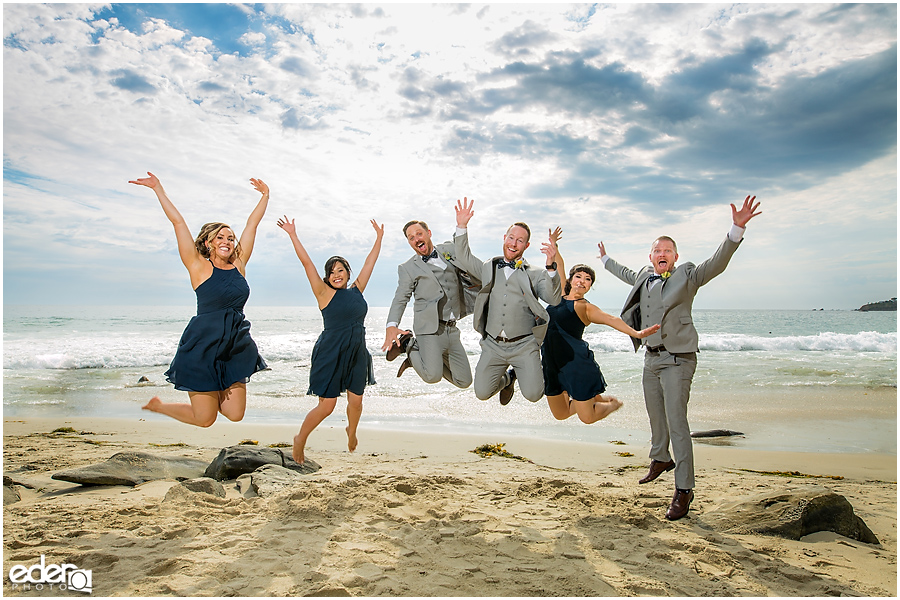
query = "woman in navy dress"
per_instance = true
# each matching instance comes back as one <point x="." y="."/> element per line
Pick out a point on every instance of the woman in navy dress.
<point x="216" y="355"/>
<point x="340" y="361"/>
<point x="573" y="382"/>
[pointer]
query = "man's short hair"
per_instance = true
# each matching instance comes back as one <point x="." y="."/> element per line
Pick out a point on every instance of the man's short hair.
<point x="523" y="226"/>
<point x="411" y="223"/>
<point x="667" y="239"/>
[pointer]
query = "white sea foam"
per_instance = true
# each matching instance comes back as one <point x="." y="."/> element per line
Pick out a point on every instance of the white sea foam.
<point x="122" y="351"/>
<point x="865" y="341"/>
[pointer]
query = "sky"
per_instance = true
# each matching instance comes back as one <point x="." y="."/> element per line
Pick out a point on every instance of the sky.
<point x="616" y="122"/>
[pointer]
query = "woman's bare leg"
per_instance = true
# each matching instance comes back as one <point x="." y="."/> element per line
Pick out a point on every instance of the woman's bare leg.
<point x="233" y="401"/>
<point x="202" y="410"/>
<point x="599" y="407"/>
<point x="561" y="406"/>
<point x="354" y="411"/>
<point x="312" y="420"/>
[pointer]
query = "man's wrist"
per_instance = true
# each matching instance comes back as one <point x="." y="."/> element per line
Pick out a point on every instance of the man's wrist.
<point x="391" y="324"/>
<point x="736" y="234"/>
<point x="460" y="230"/>
<point x="604" y="258"/>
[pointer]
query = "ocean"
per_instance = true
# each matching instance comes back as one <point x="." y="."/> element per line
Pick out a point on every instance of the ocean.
<point x="807" y="381"/>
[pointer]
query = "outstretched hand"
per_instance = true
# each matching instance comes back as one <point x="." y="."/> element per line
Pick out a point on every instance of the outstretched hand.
<point x="602" y="249"/>
<point x="649" y="331"/>
<point x="379" y="229"/>
<point x="150" y="182"/>
<point x="550" y="247"/>
<point x="464" y="212"/>
<point x="747" y="212"/>
<point x="288" y="226"/>
<point x="260" y="186"/>
<point x="392" y="337"/>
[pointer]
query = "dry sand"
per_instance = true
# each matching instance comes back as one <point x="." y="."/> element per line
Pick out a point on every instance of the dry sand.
<point x="413" y="514"/>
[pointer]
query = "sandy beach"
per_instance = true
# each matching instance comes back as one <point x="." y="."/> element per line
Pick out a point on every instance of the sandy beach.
<point x="413" y="514"/>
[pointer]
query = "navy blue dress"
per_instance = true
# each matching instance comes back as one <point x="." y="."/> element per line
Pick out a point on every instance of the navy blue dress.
<point x="216" y="350"/>
<point x="566" y="359"/>
<point x="340" y="360"/>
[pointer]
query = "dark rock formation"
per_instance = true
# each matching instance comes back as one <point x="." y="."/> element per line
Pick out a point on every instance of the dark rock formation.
<point x="133" y="468"/>
<point x="884" y="305"/>
<point x="237" y="460"/>
<point x="714" y="433"/>
<point x="791" y="514"/>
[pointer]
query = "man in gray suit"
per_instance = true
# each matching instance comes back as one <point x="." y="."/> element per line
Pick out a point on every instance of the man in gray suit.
<point x="444" y="293"/>
<point x="507" y="313"/>
<point x="663" y="294"/>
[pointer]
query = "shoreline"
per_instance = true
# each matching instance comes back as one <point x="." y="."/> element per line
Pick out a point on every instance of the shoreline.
<point x="419" y="514"/>
<point x="402" y="443"/>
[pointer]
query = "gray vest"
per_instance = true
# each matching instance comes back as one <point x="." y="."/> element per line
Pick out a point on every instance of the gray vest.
<point x="652" y="312"/>
<point x="508" y="313"/>
<point x="450" y="284"/>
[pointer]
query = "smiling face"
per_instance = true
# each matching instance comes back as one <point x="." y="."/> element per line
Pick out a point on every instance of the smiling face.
<point x="515" y="242"/>
<point x="581" y="283"/>
<point x="339" y="276"/>
<point x="419" y="239"/>
<point x="222" y="244"/>
<point x="663" y="255"/>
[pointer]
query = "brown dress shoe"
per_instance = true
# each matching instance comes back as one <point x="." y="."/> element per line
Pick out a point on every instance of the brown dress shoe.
<point x="396" y="349"/>
<point x="681" y="502"/>
<point x="657" y="468"/>
<point x="404" y="366"/>
<point x="506" y="393"/>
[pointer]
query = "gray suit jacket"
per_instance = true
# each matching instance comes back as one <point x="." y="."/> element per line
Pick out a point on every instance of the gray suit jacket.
<point x="531" y="282"/>
<point x="415" y="278"/>
<point x="677" y="327"/>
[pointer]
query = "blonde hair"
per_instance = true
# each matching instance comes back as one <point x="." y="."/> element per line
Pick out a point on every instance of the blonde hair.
<point x="208" y="232"/>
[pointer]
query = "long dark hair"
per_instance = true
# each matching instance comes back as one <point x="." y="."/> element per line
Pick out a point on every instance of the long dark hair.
<point x="579" y="269"/>
<point x="329" y="265"/>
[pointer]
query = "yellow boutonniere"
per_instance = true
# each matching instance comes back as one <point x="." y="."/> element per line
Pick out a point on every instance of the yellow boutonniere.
<point x="447" y="256"/>
<point x="666" y="275"/>
<point x="519" y="263"/>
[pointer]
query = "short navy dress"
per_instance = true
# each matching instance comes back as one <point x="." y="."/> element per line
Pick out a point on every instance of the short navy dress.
<point x="340" y="360"/>
<point x="216" y="350"/>
<point x="566" y="359"/>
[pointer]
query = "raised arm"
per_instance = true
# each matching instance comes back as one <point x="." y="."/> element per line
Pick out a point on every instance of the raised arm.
<point x="620" y="271"/>
<point x="471" y="264"/>
<point x="551" y="249"/>
<point x="190" y="257"/>
<point x="592" y="314"/>
<point x="716" y="264"/>
<point x="248" y="235"/>
<point x="320" y="290"/>
<point x="363" y="278"/>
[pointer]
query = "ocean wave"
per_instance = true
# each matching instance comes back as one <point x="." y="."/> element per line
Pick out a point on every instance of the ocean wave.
<point x="125" y="351"/>
<point x="865" y="341"/>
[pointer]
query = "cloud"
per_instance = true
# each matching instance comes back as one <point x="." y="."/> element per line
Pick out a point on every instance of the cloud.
<point x="613" y="118"/>
<point x="127" y="79"/>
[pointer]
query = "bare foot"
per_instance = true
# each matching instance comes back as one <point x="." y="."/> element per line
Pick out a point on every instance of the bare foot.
<point x="297" y="452"/>
<point x="153" y="405"/>
<point x="352" y="442"/>
<point x="610" y="406"/>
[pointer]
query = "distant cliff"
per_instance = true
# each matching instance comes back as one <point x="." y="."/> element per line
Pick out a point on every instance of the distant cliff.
<point x="883" y="305"/>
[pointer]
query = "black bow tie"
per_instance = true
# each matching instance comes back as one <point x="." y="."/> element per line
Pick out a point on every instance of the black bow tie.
<point x="653" y="278"/>
<point x="433" y="254"/>
<point x="506" y="263"/>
